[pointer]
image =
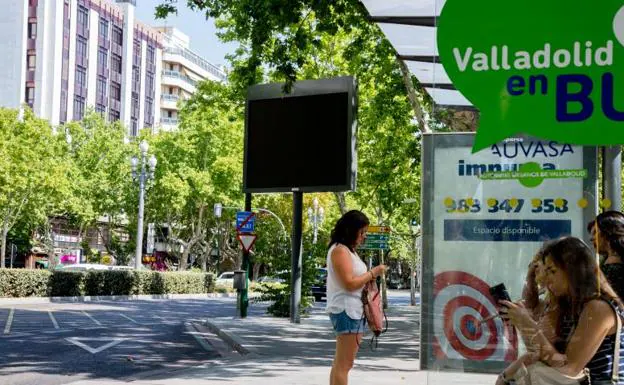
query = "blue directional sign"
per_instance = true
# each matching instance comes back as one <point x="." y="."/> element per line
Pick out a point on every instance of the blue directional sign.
<point x="245" y="221"/>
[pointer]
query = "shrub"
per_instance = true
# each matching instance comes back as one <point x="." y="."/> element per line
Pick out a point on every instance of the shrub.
<point x="279" y="294"/>
<point x="26" y="283"/>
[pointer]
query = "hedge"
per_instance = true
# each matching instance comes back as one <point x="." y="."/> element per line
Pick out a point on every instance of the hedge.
<point x="43" y="283"/>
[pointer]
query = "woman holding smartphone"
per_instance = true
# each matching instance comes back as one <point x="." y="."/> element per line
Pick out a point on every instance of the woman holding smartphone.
<point x="347" y="275"/>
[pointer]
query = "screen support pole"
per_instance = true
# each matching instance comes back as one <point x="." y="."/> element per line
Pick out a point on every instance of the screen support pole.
<point x="295" y="278"/>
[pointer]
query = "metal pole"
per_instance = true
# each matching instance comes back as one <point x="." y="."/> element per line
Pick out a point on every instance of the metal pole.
<point x="297" y="234"/>
<point x="384" y="293"/>
<point x="612" y="177"/>
<point x="244" y="299"/>
<point x="138" y="255"/>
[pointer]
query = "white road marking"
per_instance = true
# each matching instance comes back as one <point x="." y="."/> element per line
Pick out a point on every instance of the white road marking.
<point x="56" y="325"/>
<point x="92" y="319"/>
<point x="128" y="318"/>
<point x="9" y="322"/>
<point x="76" y="341"/>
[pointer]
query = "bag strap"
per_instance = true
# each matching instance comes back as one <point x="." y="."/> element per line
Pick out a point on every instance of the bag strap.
<point x="616" y="354"/>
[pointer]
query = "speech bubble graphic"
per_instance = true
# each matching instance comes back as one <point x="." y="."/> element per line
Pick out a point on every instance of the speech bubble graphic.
<point x="550" y="69"/>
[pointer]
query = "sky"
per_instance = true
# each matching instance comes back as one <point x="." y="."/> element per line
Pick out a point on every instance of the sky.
<point x="202" y="32"/>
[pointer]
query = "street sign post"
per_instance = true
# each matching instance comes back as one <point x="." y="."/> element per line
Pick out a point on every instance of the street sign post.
<point x="245" y="221"/>
<point x="377" y="238"/>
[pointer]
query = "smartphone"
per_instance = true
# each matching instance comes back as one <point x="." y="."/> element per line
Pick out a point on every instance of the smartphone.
<point x="500" y="293"/>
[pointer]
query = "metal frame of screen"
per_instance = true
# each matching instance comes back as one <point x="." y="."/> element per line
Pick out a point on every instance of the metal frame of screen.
<point x="341" y="84"/>
<point x="444" y="140"/>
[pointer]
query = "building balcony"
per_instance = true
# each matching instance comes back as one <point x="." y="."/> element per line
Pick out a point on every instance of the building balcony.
<point x="197" y="60"/>
<point x="175" y="78"/>
<point x="169" y="101"/>
<point x="116" y="49"/>
<point x="169" y="121"/>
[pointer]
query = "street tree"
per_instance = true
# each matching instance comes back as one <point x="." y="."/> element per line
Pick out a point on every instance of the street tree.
<point x="102" y="186"/>
<point x="33" y="171"/>
<point x="199" y="165"/>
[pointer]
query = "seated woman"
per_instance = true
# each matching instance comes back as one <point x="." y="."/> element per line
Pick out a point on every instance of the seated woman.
<point x="586" y="320"/>
<point x="607" y="235"/>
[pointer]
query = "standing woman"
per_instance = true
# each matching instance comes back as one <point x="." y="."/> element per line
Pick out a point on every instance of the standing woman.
<point x="347" y="275"/>
<point x="607" y="235"/>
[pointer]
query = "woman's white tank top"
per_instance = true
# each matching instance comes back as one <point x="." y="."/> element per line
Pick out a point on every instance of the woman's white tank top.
<point x="338" y="298"/>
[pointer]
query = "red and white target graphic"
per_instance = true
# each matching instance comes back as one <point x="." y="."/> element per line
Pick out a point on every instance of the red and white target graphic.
<point x="461" y="301"/>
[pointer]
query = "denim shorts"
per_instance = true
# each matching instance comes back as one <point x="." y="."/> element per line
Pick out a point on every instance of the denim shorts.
<point x="343" y="324"/>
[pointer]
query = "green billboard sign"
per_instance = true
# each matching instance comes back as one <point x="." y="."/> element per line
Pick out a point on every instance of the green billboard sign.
<point x="550" y="69"/>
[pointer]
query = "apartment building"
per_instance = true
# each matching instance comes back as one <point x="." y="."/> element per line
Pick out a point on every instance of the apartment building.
<point x="61" y="56"/>
<point x="181" y="70"/>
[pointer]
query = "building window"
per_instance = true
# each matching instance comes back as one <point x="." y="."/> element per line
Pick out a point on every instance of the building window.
<point x="79" y="106"/>
<point x="113" y="115"/>
<point x="32" y="30"/>
<point x="81" y="47"/>
<point x="101" y="87"/>
<point x="134" y="127"/>
<point x="117" y="35"/>
<point x="149" y="111"/>
<point x="103" y="28"/>
<point x="81" y="77"/>
<point x="30" y="96"/>
<point x="115" y="90"/>
<point x="100" y="108"/>
<point x="149" y="83"/>
<point x="83" y="16"/>
<point x="116" y="63"/>
<point x="31" y="59"/>
<point x="102" y="59"/>
<point x="151" y="54"/>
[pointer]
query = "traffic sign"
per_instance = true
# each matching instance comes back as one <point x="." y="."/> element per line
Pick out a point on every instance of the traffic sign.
<point x="245" y="221"/>
<point x="377" y="237"/>
<point x="379" y="229"/>
<point x="374" y="246"/>
<point x="247" y="240"/>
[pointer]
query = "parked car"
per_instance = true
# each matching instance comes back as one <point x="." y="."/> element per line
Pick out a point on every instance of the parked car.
<point x="396" y="282"/>
<point x="226" y="279"/>
<point x="82" y="267"/>
<point x="319" y="287"/>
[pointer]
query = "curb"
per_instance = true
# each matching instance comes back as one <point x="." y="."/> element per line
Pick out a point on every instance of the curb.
<point x="234" y="342"/>
<point x="38" y="300"/>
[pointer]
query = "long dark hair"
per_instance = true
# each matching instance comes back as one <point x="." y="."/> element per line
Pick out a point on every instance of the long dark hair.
<point x="585" y="280"/>
<point x="611" y="225"/>
<point x="346" y="229"/>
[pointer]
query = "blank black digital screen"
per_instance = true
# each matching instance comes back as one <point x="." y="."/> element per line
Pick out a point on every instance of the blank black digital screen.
<point x="298" y="142"/>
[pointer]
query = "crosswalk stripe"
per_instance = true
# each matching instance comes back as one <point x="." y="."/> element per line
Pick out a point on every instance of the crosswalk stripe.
<point x="9" y="322"/>
<point x="56" y="325"/>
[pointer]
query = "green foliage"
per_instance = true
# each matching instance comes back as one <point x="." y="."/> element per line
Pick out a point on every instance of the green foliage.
<point x="279" y="295"/>
<point x="33" y="172"/>
<point x="198" y="165"/>
<point x="24" y="283"/>
<point x="40" y="283"/>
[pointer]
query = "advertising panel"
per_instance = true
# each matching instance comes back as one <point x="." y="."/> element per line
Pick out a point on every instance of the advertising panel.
<point x="484" y="217"/>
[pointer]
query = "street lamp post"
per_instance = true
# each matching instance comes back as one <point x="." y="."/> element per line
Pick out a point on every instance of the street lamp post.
<point x="143" y="175"/>
<point x="316" y="214"/>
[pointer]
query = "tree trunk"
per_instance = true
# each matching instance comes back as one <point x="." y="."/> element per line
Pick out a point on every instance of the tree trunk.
<point x="412" y="287"/>
<point x="256" y="270"/>
<point x="184" y="258"/>
<point x="342" y="202"/>
<point x="413" y="98"/>
<point x="5" y="231"/>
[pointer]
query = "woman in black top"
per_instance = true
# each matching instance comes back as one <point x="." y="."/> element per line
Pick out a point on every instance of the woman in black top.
<point x="607" y="235"/>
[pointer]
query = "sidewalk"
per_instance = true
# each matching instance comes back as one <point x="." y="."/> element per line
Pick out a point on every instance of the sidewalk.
<point x="301" y="354"/>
